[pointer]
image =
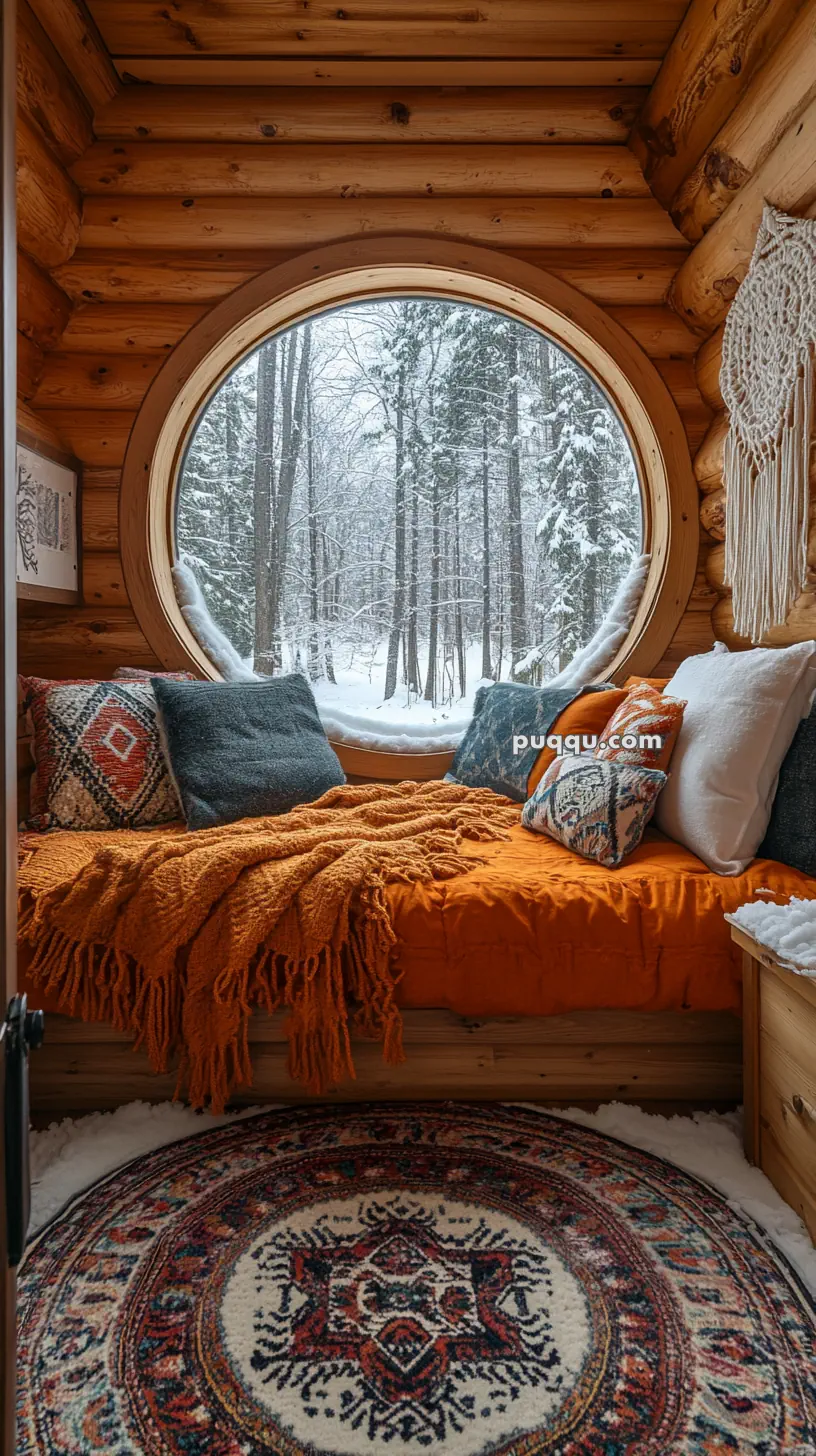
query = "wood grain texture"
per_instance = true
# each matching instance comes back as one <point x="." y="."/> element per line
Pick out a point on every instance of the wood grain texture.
<point x="713" y="271"/>
<point x="708" y="363"/>
<point x="75" y="36"/>
<point x="48" y="202"/>
<point x="298" y="169"/>
<point x="153" y="328"/>
<point x="713" y="56"/>
<point x="103" y="582"/>
<point x="136" y="328"/>
<point x="84" y="641"/>
<point x="497" y="28"/>
<point x="590" y="1054"/>
<point x="712" y="514"/>
<point x="43" y="309"/>
<point x="96" y="437"/>
<point x="46" y="91"/>
<point x="30" y="367"/>
<point x="750" y="1056"/>
<point x="270" y="116"/>
<point x="95" y="382"/>
<point x="355" y="71"/>
<point x="242" y="222"/>
<point x="608" y="276"/>
<point x="100" y="517"/>
<point x="777" y="94"/>
<point x="708" y="462"/>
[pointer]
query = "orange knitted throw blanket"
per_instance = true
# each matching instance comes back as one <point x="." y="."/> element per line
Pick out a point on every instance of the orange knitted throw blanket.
<point x="178" y="936"/>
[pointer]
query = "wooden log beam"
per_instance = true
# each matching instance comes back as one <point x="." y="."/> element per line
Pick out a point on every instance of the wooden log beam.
<point x="96" y="382"/>
<point x="708" y="462"/>
<point x="103" y="582"/>
<point x="46" y="92"/>
<point x="96" y="437"/>
<point x="100" y="516"/>
<point x="364" y="71"/>
<point x="101" y="638"/>
<point x="497" y="28"/>
<point x="77" y="40"/>
<point x="800" y="625"/>
<point x="30" y="366"/>
<point x="38" y="431"/>
<point x="49" y="210"/>
<point x="714" y="54"/>
<point x="610" y="276"/>
<point x="712" y="514"/>
<point x="547" y="116"/>
<point x="43" y="309"/>
<point x="136" y="328"/>
<point x="713" y="271"/>
<point x="154" y="328"/>
<point x="222" y="169"/>
<point x="242" y="222"/>
<point x="779" y="92"/>
<point x="709" y="360"/>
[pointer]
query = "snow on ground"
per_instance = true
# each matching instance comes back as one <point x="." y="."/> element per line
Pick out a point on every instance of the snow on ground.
<point x="70" y="1156"/>
<point x="353" y="711"/>
<point x="788" y="930"/>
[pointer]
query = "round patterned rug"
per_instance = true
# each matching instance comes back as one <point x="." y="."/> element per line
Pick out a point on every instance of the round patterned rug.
<point x="407" y="1279"/>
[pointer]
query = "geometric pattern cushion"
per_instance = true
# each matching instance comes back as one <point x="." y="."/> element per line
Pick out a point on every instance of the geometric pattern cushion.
<point x="643" y="712"/>
<point x="99" y="762"/>
<point x="594" y="806"/>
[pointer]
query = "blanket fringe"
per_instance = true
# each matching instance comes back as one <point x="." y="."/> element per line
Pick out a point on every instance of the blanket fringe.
<point x="178" y="1008"/>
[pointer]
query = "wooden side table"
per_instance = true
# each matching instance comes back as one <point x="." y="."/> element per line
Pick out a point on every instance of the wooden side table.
<point x="779" y="1073"/>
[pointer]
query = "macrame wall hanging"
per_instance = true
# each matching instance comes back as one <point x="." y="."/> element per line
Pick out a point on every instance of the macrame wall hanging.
<point x="767" y="385"/>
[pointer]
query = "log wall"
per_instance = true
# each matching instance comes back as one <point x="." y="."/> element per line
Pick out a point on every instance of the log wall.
<point x="154" y="201"/>
<point x="714" y="166"/>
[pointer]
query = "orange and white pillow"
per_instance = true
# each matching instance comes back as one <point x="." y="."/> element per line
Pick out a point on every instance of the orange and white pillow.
<point x="643" y="730"/>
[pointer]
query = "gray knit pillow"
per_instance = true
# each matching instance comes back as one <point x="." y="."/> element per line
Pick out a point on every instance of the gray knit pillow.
<point x="241" y="750"/>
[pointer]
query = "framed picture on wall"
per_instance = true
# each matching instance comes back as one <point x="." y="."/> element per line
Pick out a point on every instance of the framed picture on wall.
<point x="47" y="524"/>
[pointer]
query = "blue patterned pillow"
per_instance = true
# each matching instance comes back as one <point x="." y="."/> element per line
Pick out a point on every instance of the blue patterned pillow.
<point x="503" y="712"/>
<point x="595" y="806"/>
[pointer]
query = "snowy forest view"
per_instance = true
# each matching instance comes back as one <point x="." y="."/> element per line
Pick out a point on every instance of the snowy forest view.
<point x="403" y="499"/>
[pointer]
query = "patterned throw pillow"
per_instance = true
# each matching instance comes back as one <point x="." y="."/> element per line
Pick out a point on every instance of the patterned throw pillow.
<point x="645" y="713"/>
<point x="596" y="807"/>
<point x="98" y="759"/>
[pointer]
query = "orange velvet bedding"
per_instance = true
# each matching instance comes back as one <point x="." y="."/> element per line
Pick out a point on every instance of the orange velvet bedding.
<point x="536" y="930"/>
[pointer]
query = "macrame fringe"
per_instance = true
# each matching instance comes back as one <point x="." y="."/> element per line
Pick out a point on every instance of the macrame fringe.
<point x="767" y="502"/>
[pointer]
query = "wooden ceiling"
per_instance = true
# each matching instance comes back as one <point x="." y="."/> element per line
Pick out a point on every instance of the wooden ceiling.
<point x="385" y="42"/>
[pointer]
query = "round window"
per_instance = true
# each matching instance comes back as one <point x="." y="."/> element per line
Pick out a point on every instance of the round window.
<point x="406" y="498"/>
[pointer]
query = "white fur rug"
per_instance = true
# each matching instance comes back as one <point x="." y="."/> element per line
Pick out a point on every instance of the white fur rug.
<point x="71" y="1155"/>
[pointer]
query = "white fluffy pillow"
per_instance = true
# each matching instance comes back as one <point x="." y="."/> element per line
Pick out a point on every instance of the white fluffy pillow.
<point x="742" y="710"/>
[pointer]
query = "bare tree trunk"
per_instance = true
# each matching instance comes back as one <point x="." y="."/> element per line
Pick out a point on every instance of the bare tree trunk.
<point x="294" y="402"/>
<point x="436" y="563"/>
<point x="329" y="611"/>
<point x="517" y="609"/>
<point x="398" y="613"/>
<point x="458" y="624"/>
<point x="487" y="663"/>
<point x="314" y="593"/>
<point x="412" y="663"/>
<point x="263" y="496"/>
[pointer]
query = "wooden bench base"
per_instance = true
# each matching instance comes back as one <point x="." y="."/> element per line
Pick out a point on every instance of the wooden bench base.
<point x="644" y="1057"/>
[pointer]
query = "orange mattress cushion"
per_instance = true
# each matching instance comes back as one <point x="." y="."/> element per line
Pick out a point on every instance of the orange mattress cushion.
<point x="536" y="931"/>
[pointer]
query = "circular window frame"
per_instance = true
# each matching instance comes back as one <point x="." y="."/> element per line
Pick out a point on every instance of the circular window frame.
<point x="385" y="267"/>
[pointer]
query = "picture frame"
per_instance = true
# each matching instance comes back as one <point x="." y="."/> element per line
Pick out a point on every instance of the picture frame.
<point x="48" y="517"/>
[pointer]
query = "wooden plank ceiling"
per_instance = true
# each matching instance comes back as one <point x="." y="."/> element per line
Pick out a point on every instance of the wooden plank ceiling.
<point x="373" y="42"/>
